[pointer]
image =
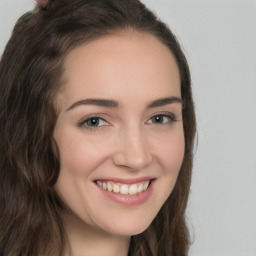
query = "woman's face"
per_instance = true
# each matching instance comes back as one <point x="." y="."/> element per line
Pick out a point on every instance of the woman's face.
<point x="119" y="131"/>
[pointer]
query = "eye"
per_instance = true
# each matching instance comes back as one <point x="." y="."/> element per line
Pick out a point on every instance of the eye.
<point x="162" y="119"/>
<point x="93" y="122"/>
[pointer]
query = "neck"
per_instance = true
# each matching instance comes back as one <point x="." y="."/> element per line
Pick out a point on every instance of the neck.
<point x="84" y="240"/>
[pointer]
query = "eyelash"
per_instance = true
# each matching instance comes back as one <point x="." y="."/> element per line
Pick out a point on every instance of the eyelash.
<point x="84" y="123"/>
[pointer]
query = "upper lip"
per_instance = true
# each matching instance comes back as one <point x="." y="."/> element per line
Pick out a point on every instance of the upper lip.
<point x="126" y="180"/>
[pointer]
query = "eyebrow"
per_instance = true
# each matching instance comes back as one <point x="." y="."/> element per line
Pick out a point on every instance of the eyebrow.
<point x="164" y="101"/>
<point x="114" y="104"/>
<point x="96" y="102"/>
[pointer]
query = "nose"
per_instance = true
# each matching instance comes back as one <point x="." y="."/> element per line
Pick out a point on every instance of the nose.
<point x="133" y="150"/>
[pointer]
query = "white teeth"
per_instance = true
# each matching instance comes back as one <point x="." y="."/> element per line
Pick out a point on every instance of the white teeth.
<point x="145" y="186"/>
<point x="99" y="183"/>
<point x="133" y="189"/>
<point x="109" y="187"/>
<point x="140" y="188"/>
<point x="116" y="188"/>
<point x="124" y="189"/>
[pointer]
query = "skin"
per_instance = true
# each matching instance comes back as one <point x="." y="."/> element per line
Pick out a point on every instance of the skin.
<point x="134" y="69"/>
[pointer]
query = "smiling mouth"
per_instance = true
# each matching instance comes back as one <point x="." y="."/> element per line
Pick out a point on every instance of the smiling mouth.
<point x="124" y="189"/>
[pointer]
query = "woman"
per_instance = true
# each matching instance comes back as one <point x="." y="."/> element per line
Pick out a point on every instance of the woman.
<point x="97" y="129"/>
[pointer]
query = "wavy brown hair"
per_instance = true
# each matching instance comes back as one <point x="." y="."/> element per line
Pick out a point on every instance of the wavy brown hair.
<point x="31" y="71"/>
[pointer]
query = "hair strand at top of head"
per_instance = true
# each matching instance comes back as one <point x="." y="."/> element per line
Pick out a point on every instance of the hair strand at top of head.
<point x="43" y="4"/>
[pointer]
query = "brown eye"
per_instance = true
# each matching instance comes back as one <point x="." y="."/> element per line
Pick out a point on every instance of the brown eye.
<point x="162" y="119"/>
<point x="93" y="122"/>
<point x="157" y="119"/>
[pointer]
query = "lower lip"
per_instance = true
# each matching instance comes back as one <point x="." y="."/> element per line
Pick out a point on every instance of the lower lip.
<point x="130" y="200"/>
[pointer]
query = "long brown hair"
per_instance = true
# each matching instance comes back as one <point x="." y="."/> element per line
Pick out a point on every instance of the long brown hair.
<point x="31" y="69"/>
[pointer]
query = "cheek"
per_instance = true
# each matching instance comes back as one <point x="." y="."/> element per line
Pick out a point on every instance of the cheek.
<point x="80" y="155"/>
<point x="173" y="153"/>
<point x="169" y="151"/>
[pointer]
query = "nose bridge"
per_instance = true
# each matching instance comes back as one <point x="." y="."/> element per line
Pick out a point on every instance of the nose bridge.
<point x="133" y="151"/>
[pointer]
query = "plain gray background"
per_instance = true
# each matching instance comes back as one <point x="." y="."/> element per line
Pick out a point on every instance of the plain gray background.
<point x="219" y="39"/>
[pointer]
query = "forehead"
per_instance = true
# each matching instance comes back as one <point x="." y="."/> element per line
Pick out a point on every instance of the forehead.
<point x="121" y="64"/>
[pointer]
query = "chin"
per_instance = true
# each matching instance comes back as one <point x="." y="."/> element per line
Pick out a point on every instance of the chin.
<point x="128" y="228"/>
